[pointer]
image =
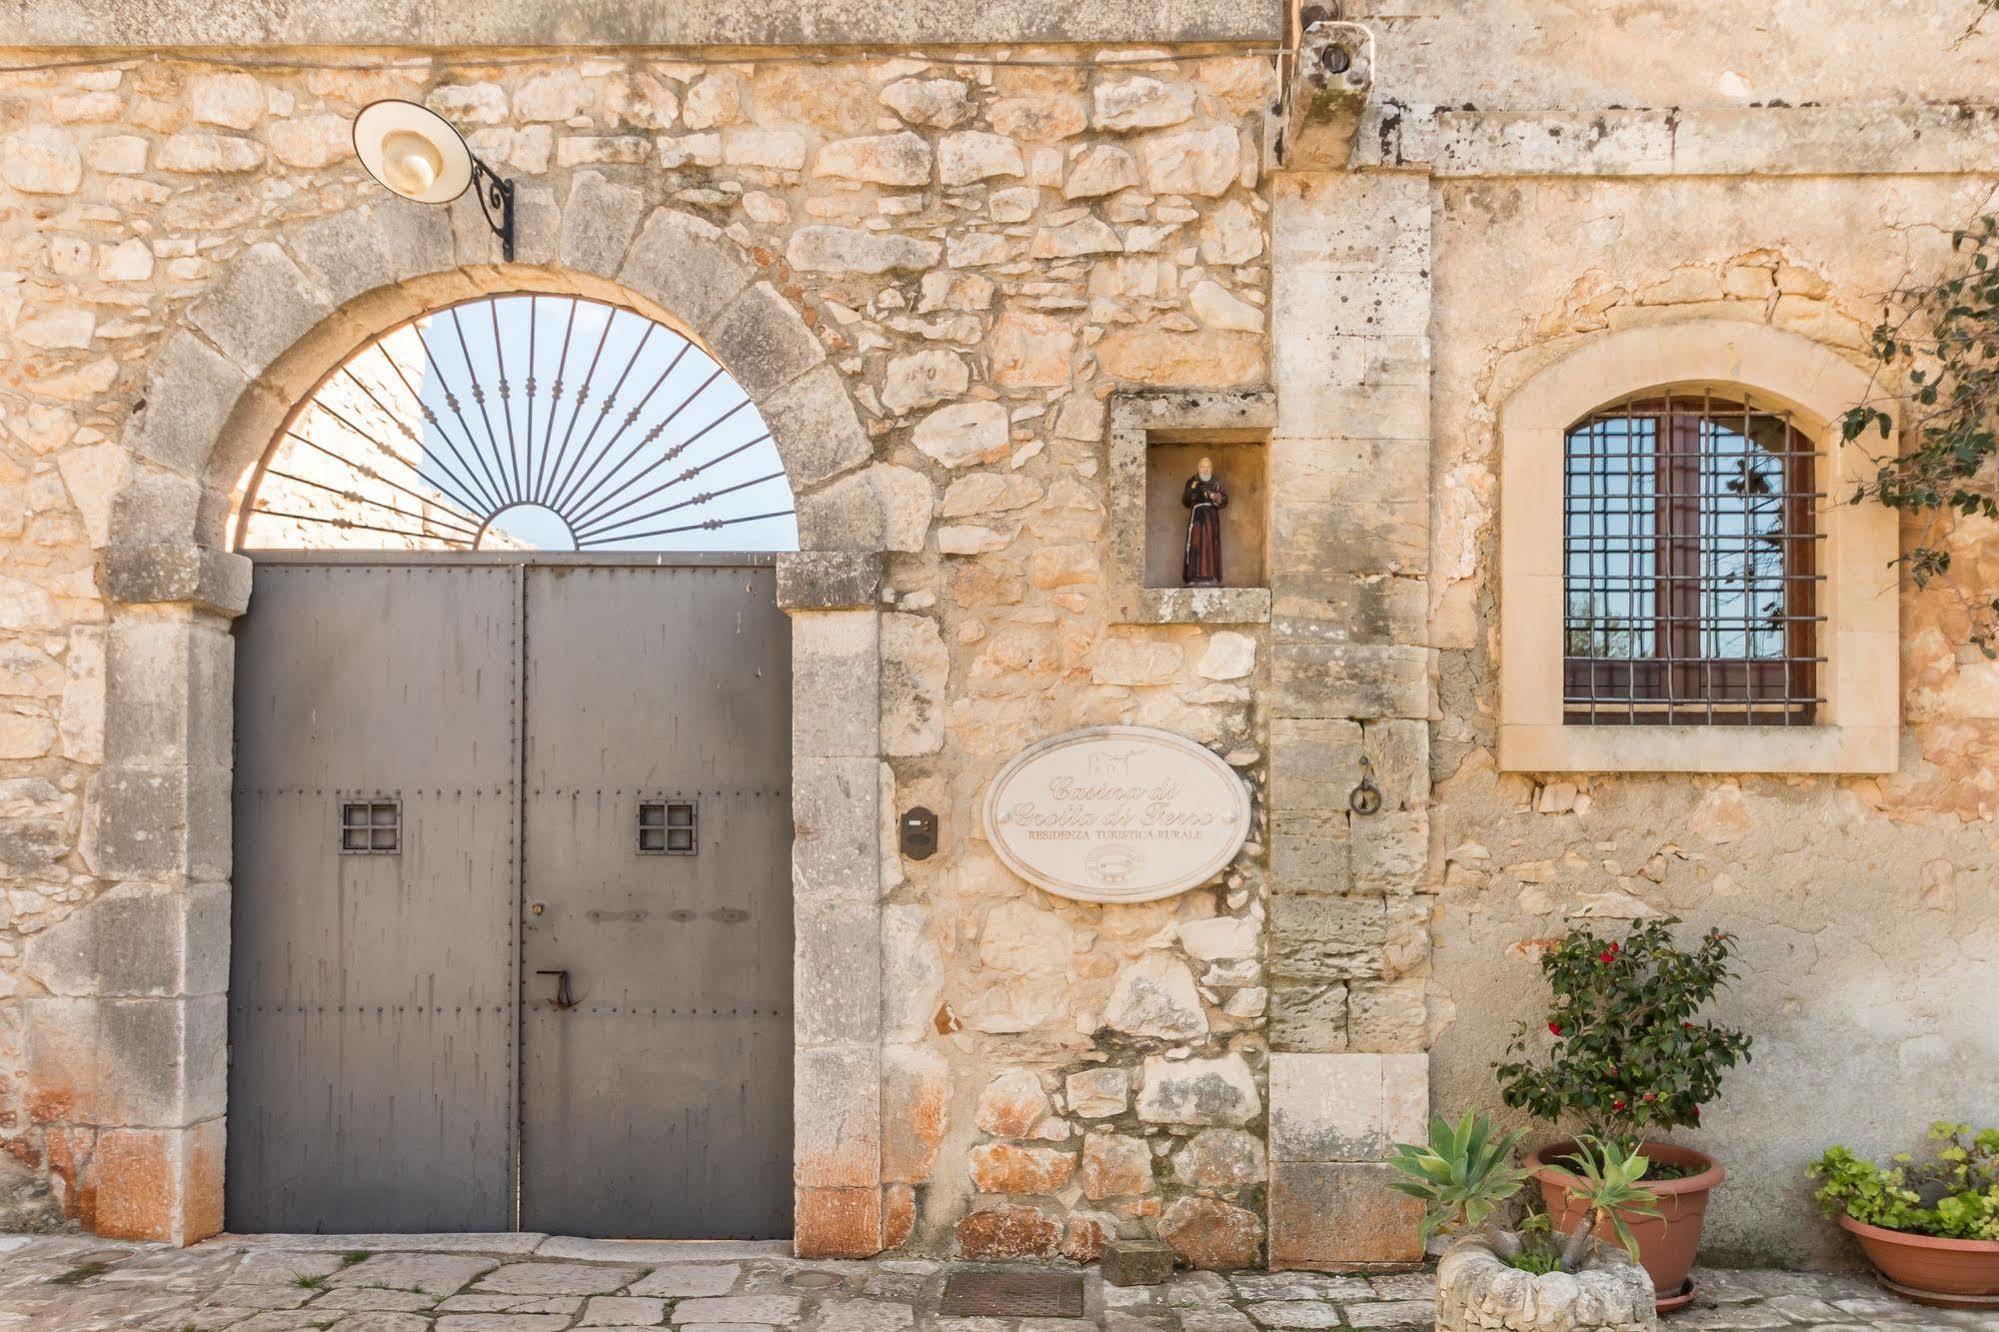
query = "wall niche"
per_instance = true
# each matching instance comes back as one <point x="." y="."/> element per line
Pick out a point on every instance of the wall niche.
<point x="1157" y="442"/>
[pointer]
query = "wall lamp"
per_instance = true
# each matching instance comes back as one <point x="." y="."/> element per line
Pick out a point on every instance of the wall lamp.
<point x="417" y="154"/>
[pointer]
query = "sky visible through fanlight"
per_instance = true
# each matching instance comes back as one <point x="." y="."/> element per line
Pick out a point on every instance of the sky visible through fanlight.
<point x="1614" y="538"/>
<point x="551" y="461"/>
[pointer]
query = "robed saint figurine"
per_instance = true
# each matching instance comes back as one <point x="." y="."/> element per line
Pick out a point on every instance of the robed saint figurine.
<point x="1201" y="565"/>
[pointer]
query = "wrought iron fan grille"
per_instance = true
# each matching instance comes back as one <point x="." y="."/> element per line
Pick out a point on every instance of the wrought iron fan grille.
<point x="536" y="422"/>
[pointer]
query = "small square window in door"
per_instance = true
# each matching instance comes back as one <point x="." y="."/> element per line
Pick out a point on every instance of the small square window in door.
<point x="371" y="828"/>
<point x="667" y="828"/>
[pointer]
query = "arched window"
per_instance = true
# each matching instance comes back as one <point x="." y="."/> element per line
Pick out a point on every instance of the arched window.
<point x="1690" y="565"/>
<point x="1677" y="590"/>
<point x="523" y="422"/>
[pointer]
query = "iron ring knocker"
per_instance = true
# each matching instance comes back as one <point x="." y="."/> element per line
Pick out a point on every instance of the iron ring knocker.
<point x="1365" y="798"/>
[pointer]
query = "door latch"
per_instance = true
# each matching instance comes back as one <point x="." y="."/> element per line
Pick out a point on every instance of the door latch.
<point x="562" y="995"/>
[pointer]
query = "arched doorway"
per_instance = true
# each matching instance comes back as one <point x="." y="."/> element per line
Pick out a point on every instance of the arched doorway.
<point x="512" y="937"/>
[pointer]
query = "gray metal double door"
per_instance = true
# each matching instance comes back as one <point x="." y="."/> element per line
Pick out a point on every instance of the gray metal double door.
<point x="511" y="924"/>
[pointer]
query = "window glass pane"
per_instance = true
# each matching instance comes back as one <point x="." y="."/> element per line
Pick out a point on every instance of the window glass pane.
<point x="1690" y="578"/>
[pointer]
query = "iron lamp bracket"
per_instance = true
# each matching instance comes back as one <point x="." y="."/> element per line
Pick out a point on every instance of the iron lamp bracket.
<point x="496" y="197"/>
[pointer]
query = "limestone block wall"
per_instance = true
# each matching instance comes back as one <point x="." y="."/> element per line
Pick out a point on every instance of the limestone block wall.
<point x="989" y="250"/>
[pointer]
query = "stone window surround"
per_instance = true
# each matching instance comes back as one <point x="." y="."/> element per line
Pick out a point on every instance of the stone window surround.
<point x="275" y="322"/>
<point x="1137" y="419"/>
<point x="1860" y="727"/>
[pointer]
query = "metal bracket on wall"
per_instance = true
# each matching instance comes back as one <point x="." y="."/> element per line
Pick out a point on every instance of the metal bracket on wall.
<point x="1366" y="797"/>
<point x="496" y="194"/>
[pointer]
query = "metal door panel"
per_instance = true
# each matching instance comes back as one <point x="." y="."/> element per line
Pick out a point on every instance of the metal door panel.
<point x="660" y="1104"/>
<point x="372" y="1017"/>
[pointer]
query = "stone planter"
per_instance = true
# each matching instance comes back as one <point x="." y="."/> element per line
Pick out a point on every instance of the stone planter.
<point x="1478" y="1292"/>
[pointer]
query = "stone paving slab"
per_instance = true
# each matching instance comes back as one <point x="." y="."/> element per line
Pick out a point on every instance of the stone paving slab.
<point x="514" y="1283"/>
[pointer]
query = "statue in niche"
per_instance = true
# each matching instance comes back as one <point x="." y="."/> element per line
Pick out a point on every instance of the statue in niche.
<point x="1201" y="565"/>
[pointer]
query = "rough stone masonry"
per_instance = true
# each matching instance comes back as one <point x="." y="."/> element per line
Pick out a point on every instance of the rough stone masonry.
<point x="1008" y="239"/>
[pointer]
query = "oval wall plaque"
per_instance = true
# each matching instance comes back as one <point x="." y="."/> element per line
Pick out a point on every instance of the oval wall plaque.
<point x="1117" y="814"/>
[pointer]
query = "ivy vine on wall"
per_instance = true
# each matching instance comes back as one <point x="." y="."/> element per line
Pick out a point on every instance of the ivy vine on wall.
<point x="1941" y="339"/>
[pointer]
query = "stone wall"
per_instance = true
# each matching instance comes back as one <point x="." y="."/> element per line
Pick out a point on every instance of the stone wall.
<point x="988" y="253"/>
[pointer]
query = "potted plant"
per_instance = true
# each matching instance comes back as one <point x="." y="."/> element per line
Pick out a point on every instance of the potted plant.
<point x="1525" y="1279"/>
<point x="1629" y="1057"/>
<point x="1930" y="1227"/>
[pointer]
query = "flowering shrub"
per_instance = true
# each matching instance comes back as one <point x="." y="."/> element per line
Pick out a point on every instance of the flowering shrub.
<point x="1962" y="1177"/>
<point x="1630" y="1054"/>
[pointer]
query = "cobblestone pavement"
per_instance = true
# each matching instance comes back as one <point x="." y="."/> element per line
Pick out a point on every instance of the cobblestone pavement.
<point x="534" y="1283"/>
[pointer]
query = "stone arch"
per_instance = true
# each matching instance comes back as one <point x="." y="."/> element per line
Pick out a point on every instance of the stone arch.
<point x="1770" y="366"/>
<point x="276" y="321"/>
<point x="289" y="311"/>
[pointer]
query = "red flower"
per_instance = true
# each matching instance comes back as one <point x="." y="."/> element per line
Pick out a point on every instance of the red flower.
<point x="1651" y="1096"/>
<point x="1555" y="1027"/>
<point x="1606" y="957"/>
<point x="1617" y="1105"/>
<point x="1688" y="1025"/>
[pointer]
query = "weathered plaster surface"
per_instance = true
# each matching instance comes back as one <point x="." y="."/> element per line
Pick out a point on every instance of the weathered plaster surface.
<point x="1868" y="927"/>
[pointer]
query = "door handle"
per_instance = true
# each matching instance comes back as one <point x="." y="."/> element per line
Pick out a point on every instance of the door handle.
<point x="562" y="996"/>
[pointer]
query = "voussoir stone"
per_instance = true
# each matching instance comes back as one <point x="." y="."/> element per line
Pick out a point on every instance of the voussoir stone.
<point x="828" y="249"/>
<point x="688" y="266"/>
<point x="264" y="306"/>
<point x="762" y="341"/>
<point x="817" y="430"/>
<point x="597" y="224"/>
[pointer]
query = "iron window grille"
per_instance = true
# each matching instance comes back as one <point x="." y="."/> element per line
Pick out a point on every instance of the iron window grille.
<point x="668" y="828"/>
<point x="371" y="827"/>
<point x="1690" y="566"/>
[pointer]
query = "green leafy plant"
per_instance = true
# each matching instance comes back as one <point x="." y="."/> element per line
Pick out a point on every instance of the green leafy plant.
<point x="1953" y="1193"/>
<point x="1607" y="1187"/>
<point x="1936" y="352"/>
<point x="1630" y="1053"/>
<point x="1462" y="1174"/>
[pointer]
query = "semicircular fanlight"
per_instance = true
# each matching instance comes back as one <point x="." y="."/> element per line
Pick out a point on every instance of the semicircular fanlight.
<point x="523" y="422"/>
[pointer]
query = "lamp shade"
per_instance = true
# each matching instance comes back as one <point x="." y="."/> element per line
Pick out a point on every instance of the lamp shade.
<point x="412" y="151"/>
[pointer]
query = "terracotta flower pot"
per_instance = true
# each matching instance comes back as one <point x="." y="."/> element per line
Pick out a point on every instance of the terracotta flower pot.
<point x="1948" y="1273"/>
<point x="1667" y="1242"/>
